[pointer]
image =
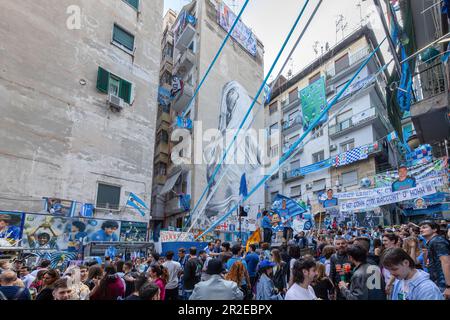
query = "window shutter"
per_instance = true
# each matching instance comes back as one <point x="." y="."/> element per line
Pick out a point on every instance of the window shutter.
<point x="124" y="38"/>
<point x="125" y="90"/>
<point x="102" y="80"/>
<point x="133" y="3"/>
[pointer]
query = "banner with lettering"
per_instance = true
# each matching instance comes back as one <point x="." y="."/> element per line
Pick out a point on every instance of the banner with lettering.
<point x="422" y="190"/>
<point x="173" y="236"/>
<point x="384" y="191"/>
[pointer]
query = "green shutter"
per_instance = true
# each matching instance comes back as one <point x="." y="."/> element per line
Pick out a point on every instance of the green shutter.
<point x="133" y="3"/>
<point x="125" y="90"/>
<point x="124" y="38"/>
<point x="102" y="80"/>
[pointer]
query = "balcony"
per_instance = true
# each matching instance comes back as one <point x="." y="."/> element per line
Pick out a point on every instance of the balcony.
<point x="166" y="64"/>
<point x="430" y="112"/>
<point x="160" y="179"/>
<point x="293" y="175"/>
<point x="183" y="97"/>
<point x="287" y="146"/>
<point x="371" y="116"/>
<point x="354" y="60"/>
<point x="288" y="106"/>
<point x="185" y="31"/>
<point x="162" y="147"/>
<point x="175" y="205"/>
<point x="163" y="119"/>
<point x="292" y="125"/>
<point x="184" y="63"/>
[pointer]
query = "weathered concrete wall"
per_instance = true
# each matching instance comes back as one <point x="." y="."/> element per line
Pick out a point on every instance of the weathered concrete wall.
<point x="58" y="137"/>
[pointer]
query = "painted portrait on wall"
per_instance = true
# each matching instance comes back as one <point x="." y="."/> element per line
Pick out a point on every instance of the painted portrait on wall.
<point x="224" y="191"/>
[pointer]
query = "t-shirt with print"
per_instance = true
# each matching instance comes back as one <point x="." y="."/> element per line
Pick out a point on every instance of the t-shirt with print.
<point x="437" y="247"/>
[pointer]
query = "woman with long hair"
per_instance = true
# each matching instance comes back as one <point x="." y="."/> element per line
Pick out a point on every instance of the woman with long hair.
<point x="159" y="275"/>
<point x="49" y="278"/>
<point x="110" y="287"/>
<point x="95" y="272"/>
<point x="322" y="285"/>
<point x="280" y="271"/>
<point x="237" y="274"/>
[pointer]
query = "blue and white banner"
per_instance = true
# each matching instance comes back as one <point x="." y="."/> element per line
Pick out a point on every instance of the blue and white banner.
<point x="393" y="197"/>
<point x="384" y="191"/>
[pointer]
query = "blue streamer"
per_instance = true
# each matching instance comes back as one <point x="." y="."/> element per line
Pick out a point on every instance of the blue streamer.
<point x="298" y="142"/>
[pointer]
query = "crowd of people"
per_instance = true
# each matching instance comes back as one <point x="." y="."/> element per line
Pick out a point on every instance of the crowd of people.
<point x="408" y="262"/>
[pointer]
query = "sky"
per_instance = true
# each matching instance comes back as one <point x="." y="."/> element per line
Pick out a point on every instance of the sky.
<point x="271" y="21"/>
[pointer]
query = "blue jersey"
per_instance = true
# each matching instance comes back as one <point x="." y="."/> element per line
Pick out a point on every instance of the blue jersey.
<point x="408" y="183"/>
<point x="101" y="235"/>
<point x="333" y="202"/>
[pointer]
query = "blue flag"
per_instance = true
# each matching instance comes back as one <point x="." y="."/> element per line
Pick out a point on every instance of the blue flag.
<point x="243" y="191"/>
<point x="137" y="203"/>
<point x="287" y="207"/>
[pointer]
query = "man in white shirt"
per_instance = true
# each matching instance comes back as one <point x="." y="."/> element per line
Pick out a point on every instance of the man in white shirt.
<point x="26" y="277"/>
<point x="304" y="272"/>
<point x="175" y="271"/>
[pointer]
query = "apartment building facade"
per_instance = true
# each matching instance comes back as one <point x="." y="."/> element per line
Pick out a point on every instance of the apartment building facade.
<point x="79" y="87"/>
<point x="358" y="119"/>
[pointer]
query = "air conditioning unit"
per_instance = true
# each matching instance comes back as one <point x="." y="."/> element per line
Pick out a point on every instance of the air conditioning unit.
<point x="115" y="102"/>
<point x="333" y="147"/>
<point x="309" y="186"/>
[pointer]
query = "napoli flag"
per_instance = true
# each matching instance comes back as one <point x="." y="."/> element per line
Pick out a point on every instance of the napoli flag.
<point x="137" y="203"/>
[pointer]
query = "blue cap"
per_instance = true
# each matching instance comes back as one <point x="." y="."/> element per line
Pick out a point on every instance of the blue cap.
<point x="266" y="264"/>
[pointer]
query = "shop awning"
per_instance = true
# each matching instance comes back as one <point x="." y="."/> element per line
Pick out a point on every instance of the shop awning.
<point x="170" y="183"/>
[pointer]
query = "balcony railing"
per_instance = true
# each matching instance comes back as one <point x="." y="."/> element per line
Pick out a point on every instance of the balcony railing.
<point x="183" y="97"/>
<point x="293" y="174"/>
<point x="288" y="105"/>
<point x="354" y="58"/>
<point x="185" y="63"/>
<point x="357" y="121"/>
<point x="291" y="124"/>
<point x="287" y="146"/>
<point x="184" y="31"/>
<point x="429" y="82"/>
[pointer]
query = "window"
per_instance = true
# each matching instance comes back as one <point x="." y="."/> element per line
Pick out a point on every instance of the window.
<point x="273" y="108"/>
<point x="108" y="197"/>
<point x="342" y="63"/>
<point x="314" y="78"/>
<point x="273" y="128"/>
<point x="112" y="84"/>
<point x="347" y="146"/>
<point x="318" y="156"/>
<point x="293" y="95"/>
<point x="133" y="3"/>
<point x="293" y="116"/>
<point x="295" y="164"/>
<point x="161" y="169"/>
<point x="180" y="223"/>
<point x="164" y="136"/>
<point x="123" y="38"/>
<point x="275" y="176"/>
<point x="319" y="185"/>
<point x="350" y="178"/>
<point x="345" y="116"/>
<point x="296" y="191"/>
<point x="274" y="151"/>
<point x="273" y="196"/>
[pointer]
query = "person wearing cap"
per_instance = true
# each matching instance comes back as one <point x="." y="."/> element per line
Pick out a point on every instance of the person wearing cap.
<point x="265" y="288"/>
<point x="404" y="181"/>
<point x="216" y="287"/>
